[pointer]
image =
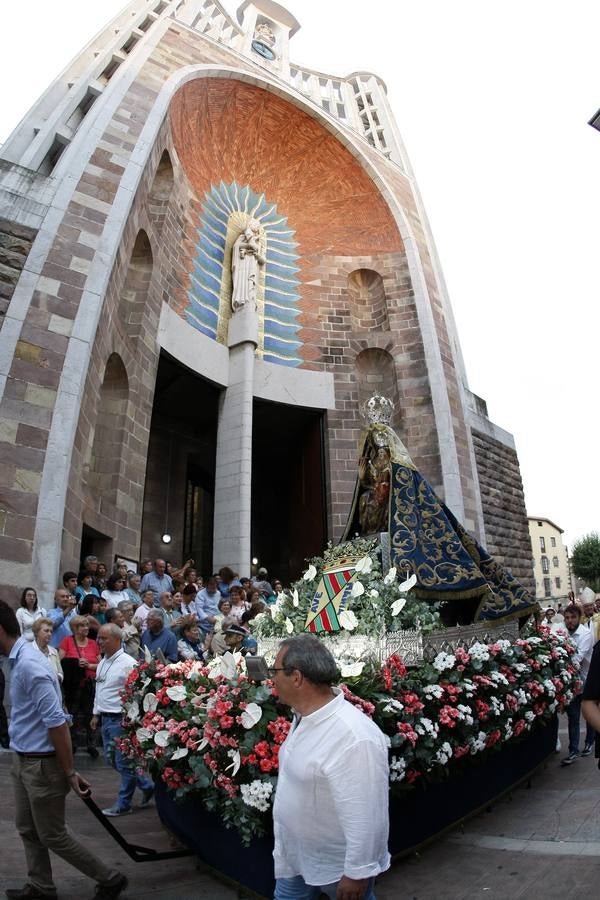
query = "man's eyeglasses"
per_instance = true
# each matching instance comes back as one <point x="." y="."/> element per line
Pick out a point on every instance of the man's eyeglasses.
<point x="287" y="669"/>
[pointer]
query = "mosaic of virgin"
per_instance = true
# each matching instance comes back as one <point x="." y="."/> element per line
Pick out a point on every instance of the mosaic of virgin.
<point x="425" y="538"/>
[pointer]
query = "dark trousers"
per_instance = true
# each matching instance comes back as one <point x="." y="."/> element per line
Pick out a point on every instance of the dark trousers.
<point x="574" y="716"/>
<point x="3" y="719"/>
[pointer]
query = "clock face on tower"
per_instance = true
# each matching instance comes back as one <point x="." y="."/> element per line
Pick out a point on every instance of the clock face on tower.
<point x="263" y="50"/>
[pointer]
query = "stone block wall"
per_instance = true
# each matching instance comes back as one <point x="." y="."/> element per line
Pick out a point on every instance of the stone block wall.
<point x="505" y="517"/>
<point x="15" y="244"/>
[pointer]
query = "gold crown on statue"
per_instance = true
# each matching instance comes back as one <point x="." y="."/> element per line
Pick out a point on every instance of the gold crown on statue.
<point x="378" y="410"/>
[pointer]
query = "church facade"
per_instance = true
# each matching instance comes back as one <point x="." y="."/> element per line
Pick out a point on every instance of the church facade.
<point x="146" y="390"/>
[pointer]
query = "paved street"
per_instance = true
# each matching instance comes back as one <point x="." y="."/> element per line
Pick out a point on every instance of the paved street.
<point x="544" y="841"/>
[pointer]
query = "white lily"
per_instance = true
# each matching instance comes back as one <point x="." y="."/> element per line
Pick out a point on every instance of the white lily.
<point x="289" y="626"/>
<point x="358" y="589"/>
<point x="179" y="753"/>
<point x="295" y="598"/>
<point x="133" y="710"/>
<point x="176" y="692"/>
<point x="364" y="565"/>
<point x="161" y="738"/>
<point x="348" y="620"/>
<point x="408" y="584"/>
<point x="147" y="655"/>
<point x="351" y="670"/>
<point x="391" y="576"/>
<point x="150" y="702"/>
<point x="251" y="715"/>
<point x="143" y="734"/>
<point x="398" y="605"/>
<point x="237" y="761"/>
<point x="310" y="573"/>
<point x="203" y="743"/>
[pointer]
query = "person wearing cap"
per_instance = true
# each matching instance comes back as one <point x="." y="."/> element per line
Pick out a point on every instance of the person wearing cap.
<point x="43" y="772"/>
<point x="591" y="618"/>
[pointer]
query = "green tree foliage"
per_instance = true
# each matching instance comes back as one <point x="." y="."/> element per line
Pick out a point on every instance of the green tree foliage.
<point x="586" y="559"/>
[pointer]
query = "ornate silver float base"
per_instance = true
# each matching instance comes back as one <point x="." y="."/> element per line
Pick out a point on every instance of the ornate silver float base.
<point x="413" y="647"/>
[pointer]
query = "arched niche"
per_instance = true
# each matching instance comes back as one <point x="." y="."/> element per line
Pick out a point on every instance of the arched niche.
<point x="109" y="432"/>
<point x="134" y="295"/>
<point x="376" y="374"/>
<point x="160" y="192"/>
<point x="368" y="306"/>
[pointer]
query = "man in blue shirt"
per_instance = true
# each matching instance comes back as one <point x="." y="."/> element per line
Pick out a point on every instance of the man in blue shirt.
<point x="61" y="615"/>
<point x="43" y="771"/>
<point x="157" y="581"/>
<point x="207" y="605"/>
<point x="157" y="637"/>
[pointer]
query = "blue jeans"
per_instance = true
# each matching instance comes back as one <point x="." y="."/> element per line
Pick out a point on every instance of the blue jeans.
<point x="573" y="716"/>
<point x="111" y="729"/>
<point x="297" y="889"/>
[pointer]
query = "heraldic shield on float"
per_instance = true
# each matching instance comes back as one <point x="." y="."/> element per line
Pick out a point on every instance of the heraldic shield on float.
<point x="392" y="497"/>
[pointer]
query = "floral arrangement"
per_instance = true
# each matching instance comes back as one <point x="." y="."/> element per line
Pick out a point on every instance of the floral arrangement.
<point x="378" y="602"/>
<point x="207" y="729"/>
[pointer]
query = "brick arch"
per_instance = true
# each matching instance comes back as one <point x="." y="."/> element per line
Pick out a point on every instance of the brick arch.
<point x="134" y="295"/>
<point x="225" y="129"/>
<point x="106" y="458"/>
<point x="160" y="192"/>
<point x="367" y="301"/>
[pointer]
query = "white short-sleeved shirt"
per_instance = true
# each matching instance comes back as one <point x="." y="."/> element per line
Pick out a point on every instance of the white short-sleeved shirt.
<point x="331" y="805"/>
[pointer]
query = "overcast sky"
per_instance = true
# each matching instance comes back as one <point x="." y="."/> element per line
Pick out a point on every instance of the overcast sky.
<point x="492" y="100"/>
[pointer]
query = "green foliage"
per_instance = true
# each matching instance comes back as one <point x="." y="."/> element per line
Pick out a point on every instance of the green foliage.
<point x="586" y="559"/>
<point x="373" y="608"/>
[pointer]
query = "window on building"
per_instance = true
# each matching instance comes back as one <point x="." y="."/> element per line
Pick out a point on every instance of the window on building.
<point x="553" y="542"/>
<point x="543" y="544"/>
<point x="555" y="562"/>
<point x="547" y="587"/>
<point x="540" y="524"/>
<point x="545" y="565"/>
<point x="557" y="582"/>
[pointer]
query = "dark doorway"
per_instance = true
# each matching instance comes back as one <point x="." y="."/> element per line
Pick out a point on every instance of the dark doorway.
<point x="94" y="543"/>
<point x="180" y="476"/>
<point x="288" y="487"/>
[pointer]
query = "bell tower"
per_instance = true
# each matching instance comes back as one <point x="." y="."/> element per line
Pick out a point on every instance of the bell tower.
<point x="267" y="28"/>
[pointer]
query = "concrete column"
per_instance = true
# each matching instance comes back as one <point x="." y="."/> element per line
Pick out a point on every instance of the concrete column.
<point x="233" y="477"/>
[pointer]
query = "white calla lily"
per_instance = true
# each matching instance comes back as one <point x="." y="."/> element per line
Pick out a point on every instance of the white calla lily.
<point x="161" y="738"/>
<point x="150" y="702"/>
<point x="364" y="565"/>
<point x="310" y="574"/>
<point x="289" y="626"/>
<point x="358" y="589"/>
<point x="147" y="655"/>
<point x="373" y="593"/>
<point x="348" y="620"/>
<point x="251" y="715"/>
<point x="295" y="598"/>
<point x="133" y="710"/>
<point x="179" y="753"/>
<point x="408" y="584"/>
<point x="143" y="734"/>
<point x="351" y="670"/>
<point x="237" y="761"/>
<point x="398" y="605"/>
<point x="391" y="576"/>
<point x="176" y="692"/>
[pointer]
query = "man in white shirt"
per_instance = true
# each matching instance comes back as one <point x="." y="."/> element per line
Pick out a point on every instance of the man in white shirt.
<point x="140" y="616"/>
<point x="583" y="638"/>
<point x="111" y="676"/>
<point x="331" y="806"/>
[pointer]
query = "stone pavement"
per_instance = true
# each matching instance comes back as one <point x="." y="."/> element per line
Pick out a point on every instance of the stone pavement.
<point x="543" y="841"/>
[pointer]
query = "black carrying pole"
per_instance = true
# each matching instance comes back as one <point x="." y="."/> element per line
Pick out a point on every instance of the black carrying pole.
<point x="133" y="851"/>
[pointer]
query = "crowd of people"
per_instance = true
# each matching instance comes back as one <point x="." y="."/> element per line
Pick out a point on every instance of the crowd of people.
<point x="171" y="614"/>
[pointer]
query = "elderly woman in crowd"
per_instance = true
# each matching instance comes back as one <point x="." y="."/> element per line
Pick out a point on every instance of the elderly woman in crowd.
<point x="131" y="630"/>
<point x="29" y="612"/>
<point x="42" y="632"/>
<point x="80" y="657"/>
<point x="189" y="645"/>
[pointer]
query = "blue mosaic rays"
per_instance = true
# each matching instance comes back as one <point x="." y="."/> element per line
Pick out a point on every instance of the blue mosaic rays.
<point x="279" y="329"/>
